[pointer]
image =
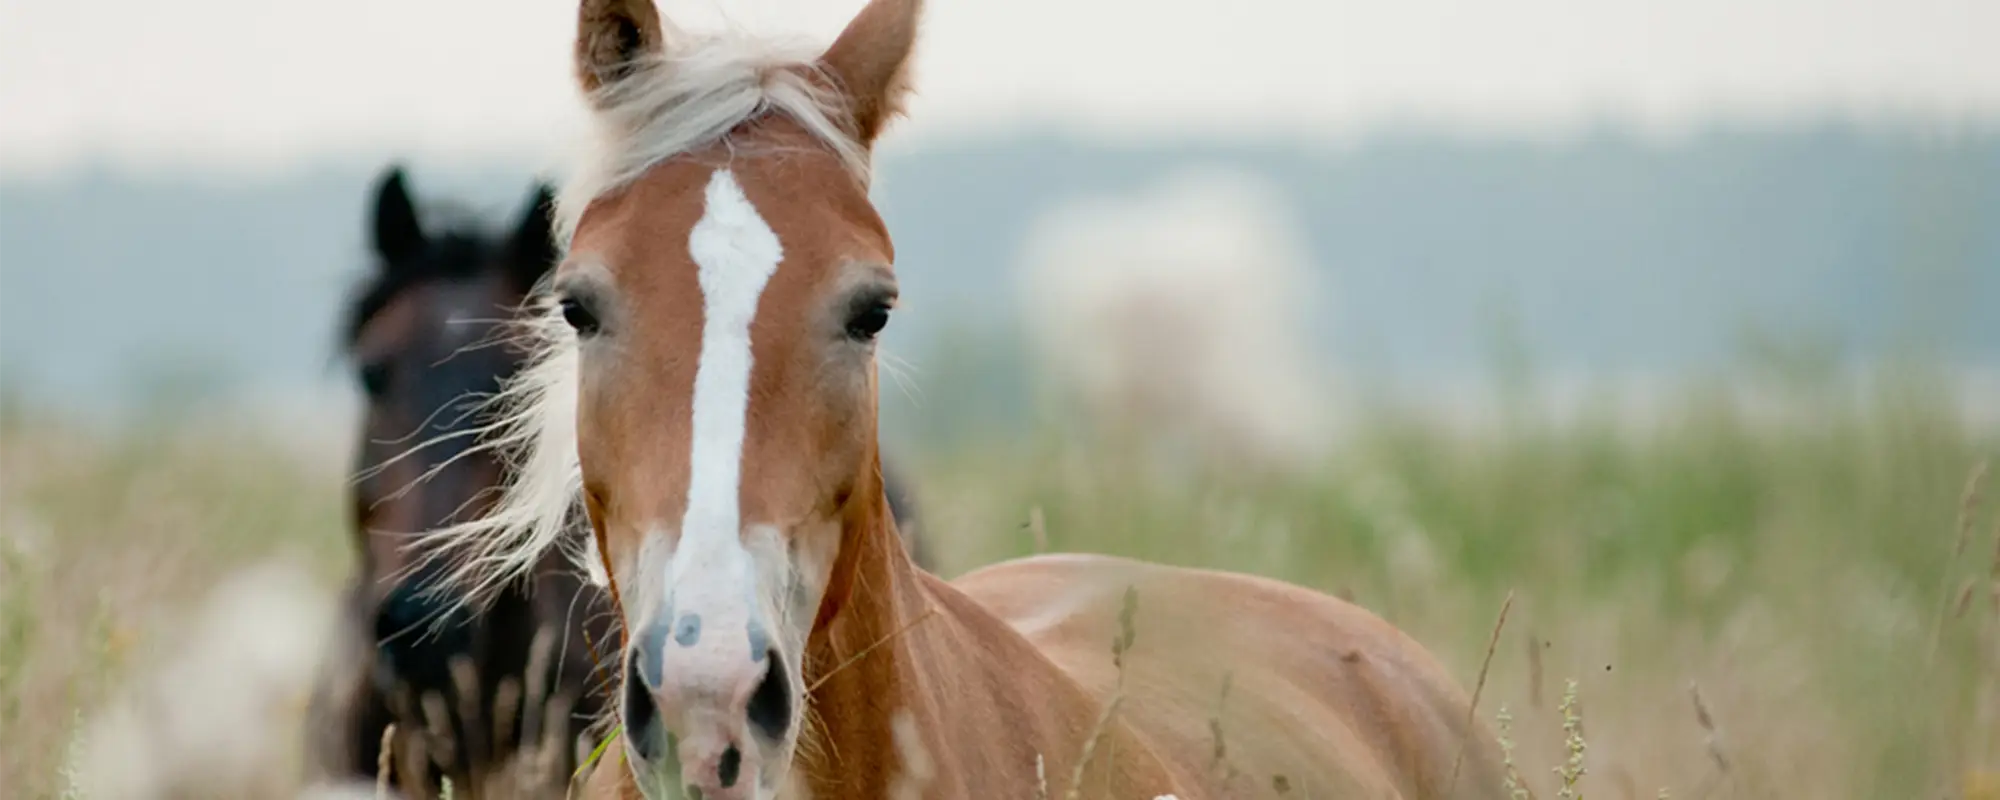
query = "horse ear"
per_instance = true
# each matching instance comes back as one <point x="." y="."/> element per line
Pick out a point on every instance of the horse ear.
<point x="611" y="37"/>
<point x="533" y="245"/>
<point x="398" y="233"/>
<point x="871" y="59"/>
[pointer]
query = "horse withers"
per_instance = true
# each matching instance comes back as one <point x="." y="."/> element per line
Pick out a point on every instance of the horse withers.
<point x="705" y="387"/>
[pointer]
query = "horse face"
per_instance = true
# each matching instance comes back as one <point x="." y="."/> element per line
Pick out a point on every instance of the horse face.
<point x="723" y="304"/>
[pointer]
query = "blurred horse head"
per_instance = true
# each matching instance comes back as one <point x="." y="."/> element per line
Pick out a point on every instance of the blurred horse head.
<point x="427" y="337"/>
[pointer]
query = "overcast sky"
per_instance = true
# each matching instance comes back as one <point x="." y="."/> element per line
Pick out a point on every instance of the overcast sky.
<point x="254" y="83"/>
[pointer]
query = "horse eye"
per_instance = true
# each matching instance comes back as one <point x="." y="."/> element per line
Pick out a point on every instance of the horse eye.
<point x="579" y="317"/>
<point x="375" y="379"/>
<point x="868" y="321"/>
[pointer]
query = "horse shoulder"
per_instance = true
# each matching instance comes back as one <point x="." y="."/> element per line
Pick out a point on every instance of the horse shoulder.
<point x="1016" y="707"/>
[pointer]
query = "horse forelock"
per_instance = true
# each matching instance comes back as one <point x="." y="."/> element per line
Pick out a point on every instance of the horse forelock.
<point x="695" y="95"/>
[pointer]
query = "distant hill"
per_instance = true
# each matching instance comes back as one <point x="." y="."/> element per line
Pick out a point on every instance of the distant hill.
<point x="1602" y="255"/>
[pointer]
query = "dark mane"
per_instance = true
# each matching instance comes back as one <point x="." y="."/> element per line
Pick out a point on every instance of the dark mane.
<point x="460" y="247"/>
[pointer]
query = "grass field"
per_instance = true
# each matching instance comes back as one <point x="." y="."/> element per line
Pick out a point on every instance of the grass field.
<point x="1799" y="605"/>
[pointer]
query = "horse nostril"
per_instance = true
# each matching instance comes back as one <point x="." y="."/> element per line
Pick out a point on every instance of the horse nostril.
<point x="729" y="767"/>
<point x="771" y="705"/>
<point x="641" y="716"/>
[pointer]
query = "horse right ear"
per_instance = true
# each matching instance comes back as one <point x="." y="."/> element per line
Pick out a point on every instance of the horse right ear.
<point x="398" y="233"/>
<point x="613" y="36"/>
<point x="871" y="58"/>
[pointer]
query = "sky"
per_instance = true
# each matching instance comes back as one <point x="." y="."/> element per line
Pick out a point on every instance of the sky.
<point x="254" y="84"/>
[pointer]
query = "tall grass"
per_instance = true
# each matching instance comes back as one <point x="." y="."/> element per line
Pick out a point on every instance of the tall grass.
<point x="1793" y="566"/>
<point x="1787" y="561"/>
<point x="109" y="539"/>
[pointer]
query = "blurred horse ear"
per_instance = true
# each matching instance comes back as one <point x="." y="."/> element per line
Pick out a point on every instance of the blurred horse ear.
<point x="871" y="59"/>
<point x="533" y="248"/>
<point x="398" y="233"/>
<point x="612" y="36"/>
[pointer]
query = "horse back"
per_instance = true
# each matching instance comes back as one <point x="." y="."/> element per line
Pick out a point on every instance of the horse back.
<point x="1262" y="683"/>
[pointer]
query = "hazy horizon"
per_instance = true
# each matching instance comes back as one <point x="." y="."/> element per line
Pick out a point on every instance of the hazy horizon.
<point x="1610" y="258"/>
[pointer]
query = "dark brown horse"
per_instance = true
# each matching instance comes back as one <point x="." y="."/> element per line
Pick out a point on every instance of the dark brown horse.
<point x="497" y="700"/>
<point x="510" y="687"/>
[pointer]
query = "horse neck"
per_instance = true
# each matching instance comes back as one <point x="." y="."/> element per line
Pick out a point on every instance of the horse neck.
<point x="859" y="666"/>
<point x="910" y="675"/>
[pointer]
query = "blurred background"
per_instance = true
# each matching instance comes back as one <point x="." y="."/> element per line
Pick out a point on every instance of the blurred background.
<point x="1680" y="322"/>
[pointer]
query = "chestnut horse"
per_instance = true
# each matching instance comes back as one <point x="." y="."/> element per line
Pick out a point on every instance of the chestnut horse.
<point x="706" y="391"/>
<point x="471" y="693"/>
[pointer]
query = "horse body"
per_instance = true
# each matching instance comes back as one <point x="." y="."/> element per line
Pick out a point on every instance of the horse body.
<point x="705" y="390"/>
<point x="1332" y="699"/>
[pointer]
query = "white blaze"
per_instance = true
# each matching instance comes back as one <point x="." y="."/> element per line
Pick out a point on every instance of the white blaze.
<point x="735" y="253"/>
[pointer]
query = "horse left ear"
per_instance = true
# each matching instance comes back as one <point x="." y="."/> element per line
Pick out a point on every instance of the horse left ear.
<point x="533" y="247"/>
<point x="612" y="38"/>
<point x="871" y="59"/>
<point x="399" y="235"/>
